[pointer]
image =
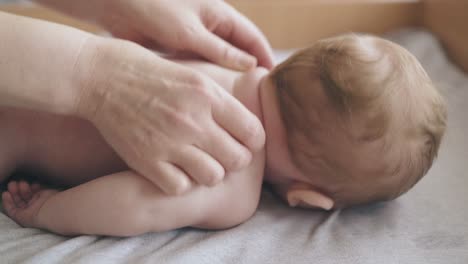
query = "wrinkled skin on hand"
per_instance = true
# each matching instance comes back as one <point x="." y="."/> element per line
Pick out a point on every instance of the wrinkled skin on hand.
<point x="208" y="28"/>
<point x="166" y="121"/>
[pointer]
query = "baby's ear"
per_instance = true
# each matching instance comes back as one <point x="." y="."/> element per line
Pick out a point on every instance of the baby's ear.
<point x="304" y="195"/>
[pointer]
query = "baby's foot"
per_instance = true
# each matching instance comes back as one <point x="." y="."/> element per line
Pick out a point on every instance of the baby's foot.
<point x="22" y="202"/>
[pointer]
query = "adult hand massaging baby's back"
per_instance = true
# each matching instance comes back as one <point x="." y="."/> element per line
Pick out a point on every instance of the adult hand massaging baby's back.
<point x="139" y="101"/>
<point x="319" y="120"/>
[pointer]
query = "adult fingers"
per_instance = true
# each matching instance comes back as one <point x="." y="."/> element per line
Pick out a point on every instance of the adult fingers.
<point x="225" y="149"/>
<point x="219" y="51"/>
<point x="201" y="167"/>
<point x="171" y="179"/>
<point x="242" y="33"/>
<point x="238" y="121"/>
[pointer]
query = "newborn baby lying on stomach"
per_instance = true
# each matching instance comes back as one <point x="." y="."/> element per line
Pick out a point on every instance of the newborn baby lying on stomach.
<point x="350" y="120"/>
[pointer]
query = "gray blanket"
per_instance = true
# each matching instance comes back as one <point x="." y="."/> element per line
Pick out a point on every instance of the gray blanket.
<point x="427" y="225"/>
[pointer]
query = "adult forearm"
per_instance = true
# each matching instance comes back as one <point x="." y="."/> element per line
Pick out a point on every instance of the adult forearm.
<point x="96" y="11"/>
<point x="39" y="66"/>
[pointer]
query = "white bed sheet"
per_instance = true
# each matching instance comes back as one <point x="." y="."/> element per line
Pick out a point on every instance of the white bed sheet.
<point x="427" y="225"/>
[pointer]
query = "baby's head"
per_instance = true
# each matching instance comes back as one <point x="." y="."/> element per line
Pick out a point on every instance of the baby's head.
<point x="362" y="122"/>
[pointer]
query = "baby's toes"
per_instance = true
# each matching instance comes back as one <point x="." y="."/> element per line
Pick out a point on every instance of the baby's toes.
<point x="8" y="204"/>
<point x="25" y="191"/>
<point x="13" y="189"/>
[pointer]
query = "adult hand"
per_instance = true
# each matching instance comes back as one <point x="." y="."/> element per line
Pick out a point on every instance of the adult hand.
<point x="168" y="122"/>
<point x="209" y="28"/>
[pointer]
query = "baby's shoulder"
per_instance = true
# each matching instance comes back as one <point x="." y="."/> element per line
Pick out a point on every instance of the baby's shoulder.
<point x="250" y="79"/>
<point x="246" y="88"/>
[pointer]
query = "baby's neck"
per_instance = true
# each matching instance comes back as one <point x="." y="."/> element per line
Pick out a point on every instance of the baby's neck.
<point x="251" y="90"/>
<point x="255" y="90"/>
<point x="246" y="89"/>
<point x="279" y="168"/>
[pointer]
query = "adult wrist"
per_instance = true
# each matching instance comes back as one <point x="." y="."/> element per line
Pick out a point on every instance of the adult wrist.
<point x="42" y="64"/>
<point x="97" y="68"/>
<point x="90" y="74"/>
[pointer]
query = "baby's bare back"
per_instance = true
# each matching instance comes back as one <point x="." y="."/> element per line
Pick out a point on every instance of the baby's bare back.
<point x="59" y="149"/>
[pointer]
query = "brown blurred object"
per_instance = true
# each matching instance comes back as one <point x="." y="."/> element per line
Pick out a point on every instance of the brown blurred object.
<point x="292" y="24"/>
<point x="448" y="19"/>
<point x="297" y="23"/>
<point x="47" y="14"/>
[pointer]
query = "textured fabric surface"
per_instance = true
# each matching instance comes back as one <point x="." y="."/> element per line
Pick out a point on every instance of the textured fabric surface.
<point x="427" y="225"/>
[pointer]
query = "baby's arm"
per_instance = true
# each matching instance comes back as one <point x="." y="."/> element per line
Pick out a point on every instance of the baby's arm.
<point x="118" y="204"/>
<point x="125" y="204"/>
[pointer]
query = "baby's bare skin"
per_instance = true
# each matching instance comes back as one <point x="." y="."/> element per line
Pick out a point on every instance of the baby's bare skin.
<point x="334" y="163"/>
<point x="107" y="198"/>
<point x="65" y="150"/>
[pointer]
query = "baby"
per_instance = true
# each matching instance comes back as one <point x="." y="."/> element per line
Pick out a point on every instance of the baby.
<point x="351" y="120"/>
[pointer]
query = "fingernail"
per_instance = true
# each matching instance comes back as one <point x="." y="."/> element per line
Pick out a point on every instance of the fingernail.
<point x="247" y="62"/>
<point x="182" y="186"/>
<point x="215" y="178"/>
<point x="293" y="200"/>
